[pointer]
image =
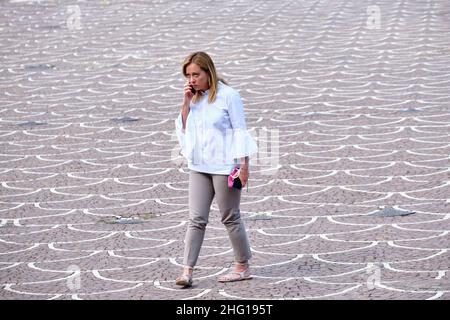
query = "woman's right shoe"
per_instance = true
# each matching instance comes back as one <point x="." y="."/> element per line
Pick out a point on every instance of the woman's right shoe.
<point x="184" y="280"/>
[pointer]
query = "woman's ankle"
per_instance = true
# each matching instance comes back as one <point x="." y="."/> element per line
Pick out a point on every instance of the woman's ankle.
<point x="241" y="266"/>
<point x="188" y="270"/>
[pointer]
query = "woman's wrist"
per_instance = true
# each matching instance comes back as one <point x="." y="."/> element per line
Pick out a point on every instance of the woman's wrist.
<point x="244" y="162"/>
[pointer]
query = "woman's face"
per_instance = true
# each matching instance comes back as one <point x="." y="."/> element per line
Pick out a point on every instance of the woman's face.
<point x="197" y="77"/>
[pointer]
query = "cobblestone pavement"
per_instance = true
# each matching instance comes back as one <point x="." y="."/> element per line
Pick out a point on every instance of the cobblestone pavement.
<point x="354" y="97"/>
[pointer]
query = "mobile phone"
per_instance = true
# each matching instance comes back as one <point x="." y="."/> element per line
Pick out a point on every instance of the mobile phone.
<point x="193" y="90"/>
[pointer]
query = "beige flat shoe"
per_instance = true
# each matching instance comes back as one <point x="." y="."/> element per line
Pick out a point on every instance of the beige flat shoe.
<point x="184" y="280"/>
<point x="236" y="276"/>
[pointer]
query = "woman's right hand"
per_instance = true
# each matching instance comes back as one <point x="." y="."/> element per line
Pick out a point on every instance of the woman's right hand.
<point x="187" y="94"/>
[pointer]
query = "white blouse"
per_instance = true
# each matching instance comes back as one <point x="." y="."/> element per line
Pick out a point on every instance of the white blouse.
<point x="216" y="136"/>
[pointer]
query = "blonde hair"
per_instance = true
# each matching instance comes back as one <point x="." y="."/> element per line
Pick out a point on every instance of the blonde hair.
<point x="204" y="61"/>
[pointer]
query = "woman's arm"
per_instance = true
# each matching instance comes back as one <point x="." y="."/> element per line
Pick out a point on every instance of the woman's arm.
<point x="244" y="170"/>
<point x="187" y="97"/>
<point x="184" y="113"/>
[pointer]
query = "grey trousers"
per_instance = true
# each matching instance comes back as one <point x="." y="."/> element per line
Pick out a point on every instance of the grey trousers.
<point x="202" y="189"/>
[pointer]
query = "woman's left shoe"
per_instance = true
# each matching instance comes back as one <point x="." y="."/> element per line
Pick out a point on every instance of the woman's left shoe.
<point x="236" y="276"/>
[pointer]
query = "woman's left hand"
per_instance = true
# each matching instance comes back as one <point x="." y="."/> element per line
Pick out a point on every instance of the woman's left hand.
<point x="243" y="175"/>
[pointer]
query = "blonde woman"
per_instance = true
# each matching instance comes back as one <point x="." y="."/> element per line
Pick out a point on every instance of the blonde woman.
<point x="212" y="133"/>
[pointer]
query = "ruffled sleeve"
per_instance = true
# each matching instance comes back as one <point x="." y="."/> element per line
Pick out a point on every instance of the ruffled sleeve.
<point x="185" y="136"/>
<point x="242" y="144"/>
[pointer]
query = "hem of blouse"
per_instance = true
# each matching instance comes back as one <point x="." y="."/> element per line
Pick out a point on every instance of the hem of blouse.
<point x="221" y="171"/>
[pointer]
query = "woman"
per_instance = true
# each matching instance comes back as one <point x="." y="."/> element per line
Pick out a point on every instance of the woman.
<point x="213" y="137"/>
